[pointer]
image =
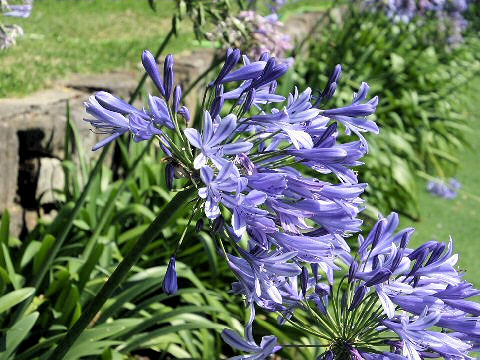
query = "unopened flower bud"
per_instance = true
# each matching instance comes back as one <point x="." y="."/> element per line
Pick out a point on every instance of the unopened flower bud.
<point x="170" y="286"/>
<point x="168" y="76"/>
<point x="169" y="175"/>
<point x="304" y="280"/>
<point x="151" y="67"/>
<point x="218" y="224"/>
<point x="177" y="97"/>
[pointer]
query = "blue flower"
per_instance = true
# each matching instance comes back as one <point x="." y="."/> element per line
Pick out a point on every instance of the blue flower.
<point x="443" y="189"/>
<point x="416" y="337"/>
<point x="209" y="143"/>
<point x="228" y="180"/>
<point x="106" y="122"/>
<point x="267" y="347"/>
<point x="114" y="123"/>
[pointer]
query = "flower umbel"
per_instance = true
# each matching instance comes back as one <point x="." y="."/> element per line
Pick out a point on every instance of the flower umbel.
<point x="282" y="232"/>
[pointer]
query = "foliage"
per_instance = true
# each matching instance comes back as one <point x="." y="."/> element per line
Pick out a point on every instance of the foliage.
<point x="140" y="315"/>
<point x="416" y="76"/>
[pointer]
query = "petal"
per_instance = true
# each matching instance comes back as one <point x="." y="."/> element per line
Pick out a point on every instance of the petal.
<point x="238" y="222"/>
<point x="206" y="174"/>
<point x="200" y="160"/>
<point x="107" y="140"/>
<point x="227" y="125"/>
<point x="207" y="127"/>
<point x="193" y="137"/>
<point x="237" y="148"/>
<point x="299" y="138"/>
<point x="233" y="339"/>
<point x="256" y="197"/>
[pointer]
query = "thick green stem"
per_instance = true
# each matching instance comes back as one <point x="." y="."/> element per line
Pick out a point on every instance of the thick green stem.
<point x="121" y="272"/>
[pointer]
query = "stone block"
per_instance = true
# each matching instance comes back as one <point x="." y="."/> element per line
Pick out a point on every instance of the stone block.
<point x="9" y="165"/>
<point x="50" y="178"/>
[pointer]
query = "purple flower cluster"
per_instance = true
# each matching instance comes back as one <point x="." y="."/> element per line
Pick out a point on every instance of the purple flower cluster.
<point x="422" y="297"/>
<point x="443" y="189"/>
<point x="22" y="11"/>
<point x="449" y="12"/>
<point x="254" y="34"/>
<point x="9" y="35"/>
<point x="286" y="231"/>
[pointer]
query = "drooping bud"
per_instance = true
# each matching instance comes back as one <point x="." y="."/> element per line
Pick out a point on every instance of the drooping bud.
<point x="315" y="267"/>
<point x="218" y="223"/>
<point x="169" y="175"/>
<point x="216" y="107"/>
<point x="352" y="271"/>
<point x="185" y="113"/>
<point x="343" y="302"/>
<point x="170" y="286"/>
<point x="304" y="280"/>
<point x="247" y="104"/>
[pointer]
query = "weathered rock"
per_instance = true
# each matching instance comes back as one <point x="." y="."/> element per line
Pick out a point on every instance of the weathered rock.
<point x="30" y="219"/>
<point x="16" y="219"/>
<point x="120" y="83"/>
<point x="50" y="178"/>
<point x="9" y="165"/>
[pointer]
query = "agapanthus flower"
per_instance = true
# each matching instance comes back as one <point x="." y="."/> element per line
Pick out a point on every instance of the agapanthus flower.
<point x="396" y="302"/>
<point x="254" y="34"/>
<point x="248" y="165"/>
<point x="448" y="13"/>
<point x="443" y="189"/>
<point x="24" y="10"/>
<point x="9" y="35"/>
<point x="283" y="232"/>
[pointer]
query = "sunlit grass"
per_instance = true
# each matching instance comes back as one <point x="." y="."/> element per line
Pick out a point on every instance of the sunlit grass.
<point x="93" y="36"/>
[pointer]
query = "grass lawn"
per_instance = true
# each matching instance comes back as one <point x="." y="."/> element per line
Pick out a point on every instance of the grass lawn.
<point x="460" y="217"/>
<point x="92" y="36"/>
<point x="87" y="36"/>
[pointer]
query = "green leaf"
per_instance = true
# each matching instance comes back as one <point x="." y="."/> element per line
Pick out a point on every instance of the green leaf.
<point x="41" y="256"/>
<point x="15" y="297"/>
<point x="17" y="333"/>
